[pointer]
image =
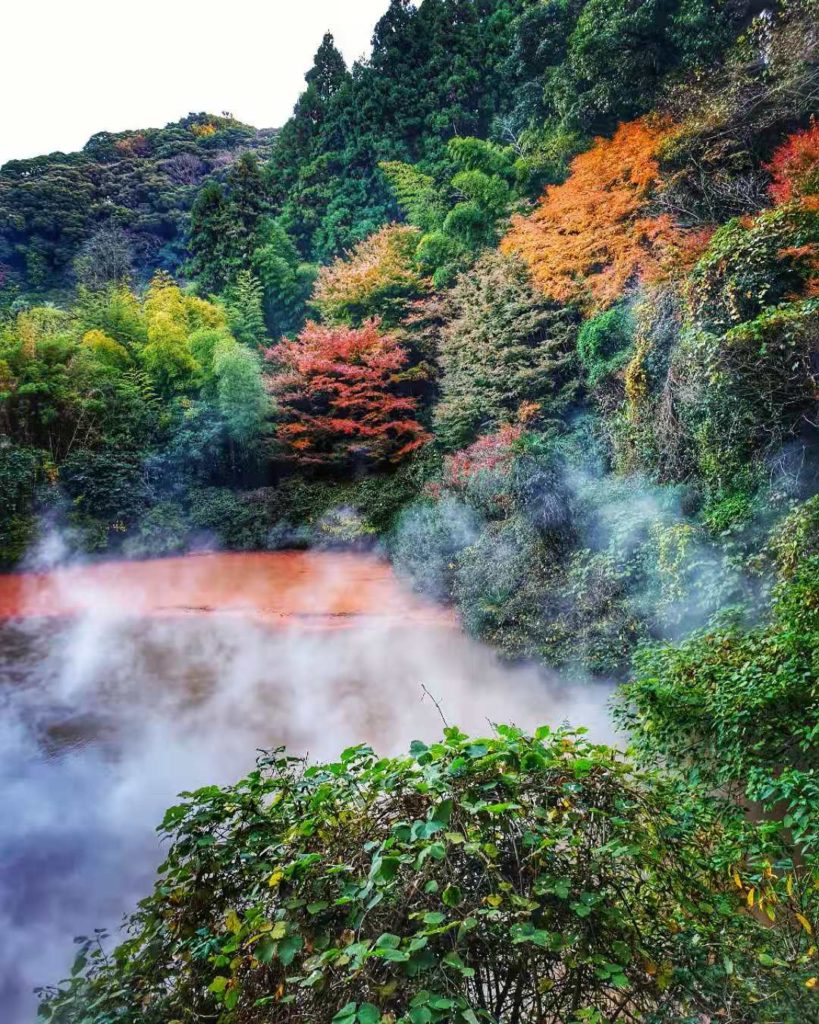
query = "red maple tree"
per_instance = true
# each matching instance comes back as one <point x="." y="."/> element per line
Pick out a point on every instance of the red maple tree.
<point x="339" y="398"/>
<point x="794" y="168"/>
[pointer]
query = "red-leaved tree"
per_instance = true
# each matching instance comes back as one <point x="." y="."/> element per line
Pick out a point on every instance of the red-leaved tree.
<point x="492" y="453"/>
<point x="794" y="168"/>
<point x="339" y="398"/>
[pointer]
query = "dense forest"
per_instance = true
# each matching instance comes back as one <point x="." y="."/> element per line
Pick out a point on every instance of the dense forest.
<point x="529" y="301"/>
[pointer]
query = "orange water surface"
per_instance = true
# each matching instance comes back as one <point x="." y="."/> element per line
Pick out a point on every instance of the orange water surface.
<point x="306" y="588"/>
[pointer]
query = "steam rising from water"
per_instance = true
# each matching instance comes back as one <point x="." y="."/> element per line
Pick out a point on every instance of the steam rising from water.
<point x="105" y="717"/>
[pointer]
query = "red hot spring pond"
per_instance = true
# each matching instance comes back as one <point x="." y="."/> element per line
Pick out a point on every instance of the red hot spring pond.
<point x="123" y="683"/>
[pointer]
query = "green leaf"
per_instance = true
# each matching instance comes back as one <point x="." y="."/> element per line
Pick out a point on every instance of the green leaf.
<point x="394" y="955"/>
<point x="288" y="948"/>
<point x="441" y="1003"/>
<point x="451" y="896"/>
<point x="442" y="813"/>
<point x="346" y="1013"/>
<point x="265" y="951"/>
<point x="369" y="1014"/>
<point x="387" y="868"/>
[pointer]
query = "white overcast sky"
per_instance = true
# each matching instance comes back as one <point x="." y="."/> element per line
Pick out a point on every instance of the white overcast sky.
<point x="70" y="68"/>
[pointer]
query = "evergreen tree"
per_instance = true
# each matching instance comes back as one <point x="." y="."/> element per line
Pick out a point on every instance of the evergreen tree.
<point x="225" y="223"/>
<point x="286" y="281"/>
<point x="248" y="204"/>
<point x="209" y="238"/>
<point x="506" y="354"/>
<point x="244" y="310"/>
<point x="329" y="72"/>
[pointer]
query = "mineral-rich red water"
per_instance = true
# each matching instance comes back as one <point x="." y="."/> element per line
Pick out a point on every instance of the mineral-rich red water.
<point x="324" y="589"/>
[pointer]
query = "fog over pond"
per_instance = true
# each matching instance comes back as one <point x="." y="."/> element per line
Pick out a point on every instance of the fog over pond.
<point x="122" y="684"/>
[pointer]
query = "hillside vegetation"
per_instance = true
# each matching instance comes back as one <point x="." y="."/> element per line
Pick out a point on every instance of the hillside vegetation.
<point x="528" y="300"/>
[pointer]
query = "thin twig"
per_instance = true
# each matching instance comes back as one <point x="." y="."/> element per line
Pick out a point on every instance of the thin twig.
<point x="436" y="703"/>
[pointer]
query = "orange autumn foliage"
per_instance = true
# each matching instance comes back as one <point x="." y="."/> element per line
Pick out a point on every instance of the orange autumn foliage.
<point x="591" y="237"/>
<point x="339" y="399"/>
<point x="794" y="168"/>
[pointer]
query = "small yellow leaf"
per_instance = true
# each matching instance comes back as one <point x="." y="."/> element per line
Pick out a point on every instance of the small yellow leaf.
<point x="737" y="880"/>
<point x="275" y="879"/>
<point x="749" y="899"/>
<point x="805" y="923"/>
<point x="789" y="885"/>
<point x="494" y="900"/>
<point x="232" y="922"/>
<point x="811" y="982"/>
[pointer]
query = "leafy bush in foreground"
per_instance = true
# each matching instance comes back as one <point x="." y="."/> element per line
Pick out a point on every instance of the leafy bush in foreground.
<point x="503" y="879"/>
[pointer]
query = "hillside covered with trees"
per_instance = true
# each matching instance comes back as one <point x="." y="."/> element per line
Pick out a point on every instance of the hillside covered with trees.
<point x="529" y="301"/>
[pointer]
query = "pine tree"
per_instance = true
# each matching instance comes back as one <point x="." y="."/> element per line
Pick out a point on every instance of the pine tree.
<point x="286" y="281"/>
<point x="248" y="205"/>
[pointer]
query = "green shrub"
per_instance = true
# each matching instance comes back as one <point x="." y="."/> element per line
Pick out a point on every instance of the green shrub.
<point x="238" y="520"/>
<point x="427" y="539"/>
<point x="377" y="498"/>
<point x="163" y="530"/>
<point x="796" y="538"/>
<point x="595" y="626"/>
<point x="16" y="535"/>
<point x="108" y="492"/>
<point x="741" y="706"/>
<point x="502" y="879"/>
<point x="604" y="343"/>
<point x="744" y="393"/>
<point x="725" y="515"/>
<point x="752" y="266"/>
<point x="19" y="471"/>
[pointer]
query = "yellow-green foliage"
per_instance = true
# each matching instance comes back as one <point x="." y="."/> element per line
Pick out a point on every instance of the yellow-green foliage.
<point x="377" y="279"/>
<point x="106" y="350"/>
